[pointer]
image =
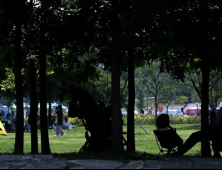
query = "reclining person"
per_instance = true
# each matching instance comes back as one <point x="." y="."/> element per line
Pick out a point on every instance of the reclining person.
<point x="215" y="129"/>
<point x="163" y="124"/>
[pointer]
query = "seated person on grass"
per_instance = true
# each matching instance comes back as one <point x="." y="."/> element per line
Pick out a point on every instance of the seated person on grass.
<point x="67" y="124"/>
<point x="52" y="124"/>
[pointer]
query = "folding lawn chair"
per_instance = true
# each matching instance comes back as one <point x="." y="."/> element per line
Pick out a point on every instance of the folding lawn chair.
<point x="164" y="142"/>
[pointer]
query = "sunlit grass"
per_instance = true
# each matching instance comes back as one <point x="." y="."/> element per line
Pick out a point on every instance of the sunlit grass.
<point x="145" y="144"/>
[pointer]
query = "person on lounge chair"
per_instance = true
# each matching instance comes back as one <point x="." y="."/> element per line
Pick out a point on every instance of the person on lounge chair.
<point x="172" y="138"/>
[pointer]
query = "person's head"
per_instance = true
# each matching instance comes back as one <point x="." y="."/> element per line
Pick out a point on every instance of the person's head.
<point x="56" y="108"/>
<point x="66" y="119"/>
<point x="59" y="106"/>
<point x="163" y="121"/>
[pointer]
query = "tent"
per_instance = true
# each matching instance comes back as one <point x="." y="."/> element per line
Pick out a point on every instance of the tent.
<point x="2" y="129"/>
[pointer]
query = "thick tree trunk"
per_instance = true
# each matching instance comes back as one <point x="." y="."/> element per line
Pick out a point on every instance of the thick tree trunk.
<point x="205" y="145"/>
<point x="43" y="97"/>
<point x="19" y="135"/>
<point x="117" y="143"/>
<point x="131" y="104"/>
<point x="33" y="109"/>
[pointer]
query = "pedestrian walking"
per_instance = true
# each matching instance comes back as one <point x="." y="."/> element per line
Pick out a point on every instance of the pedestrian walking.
<point x="60" y="114"/>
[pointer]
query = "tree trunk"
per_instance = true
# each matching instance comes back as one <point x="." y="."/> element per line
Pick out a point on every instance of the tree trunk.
<point x="33" y="109"/>
<point x="205" y="145"/>
<point x="131" y="104"/>
<point x="117" y="143"/>
<point x="19" y="135"/>
<point x="124" y="86"/>
<point x="43" y="97"/>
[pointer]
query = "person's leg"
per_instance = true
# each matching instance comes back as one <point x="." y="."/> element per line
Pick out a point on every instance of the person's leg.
<point x="61" y="131"/>
<point x="176" y="141"/>
<point x="59" y="124"/>
<point x="190" y="142"/>
<point x="216" y="141"/>
<point x="57" y="131"/>
<point x="179" y="142"/>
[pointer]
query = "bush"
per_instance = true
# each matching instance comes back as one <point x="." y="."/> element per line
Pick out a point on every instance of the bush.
<point x="150" y="119"/>
<point x="75" y="121"/>
<point x="143" y="119"/>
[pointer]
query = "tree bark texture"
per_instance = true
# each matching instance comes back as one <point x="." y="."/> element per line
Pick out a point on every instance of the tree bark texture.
<point x="43" y="94"/>
<point x="117" y="143"/>
<point x="131" y="104"/>
<point x="205" y="145"/>
<point x="33" y="108"/>
<point x="19" y="135"/>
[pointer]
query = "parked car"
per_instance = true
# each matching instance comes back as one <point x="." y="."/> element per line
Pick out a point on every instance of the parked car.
<point x="193" y="111"/>
<point x="175" y="113"/>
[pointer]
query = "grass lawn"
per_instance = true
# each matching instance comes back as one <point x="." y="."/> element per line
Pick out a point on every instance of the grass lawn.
<point x="145" y="143"/>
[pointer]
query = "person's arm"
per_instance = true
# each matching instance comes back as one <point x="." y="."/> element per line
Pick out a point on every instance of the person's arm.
<point x="171" y="128"/>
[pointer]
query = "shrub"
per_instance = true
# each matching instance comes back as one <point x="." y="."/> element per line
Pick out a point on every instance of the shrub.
<point x="144" y="119"/>
<point x="150" y="119"/>
<point x="75" y="121"/>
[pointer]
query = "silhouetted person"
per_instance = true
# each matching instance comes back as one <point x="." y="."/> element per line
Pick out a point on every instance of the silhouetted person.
<point x="163" y="124"/>
<point x="141" y="111"/>
<point x="215" y="131"/>
<point x="60" y="114"/>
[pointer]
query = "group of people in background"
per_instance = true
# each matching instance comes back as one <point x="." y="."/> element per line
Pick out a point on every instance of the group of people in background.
<point x="9" y="115"/>
<point x="8" y="120"/>
<point x="149" y="111"/>
<point x="57" y="123"/>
